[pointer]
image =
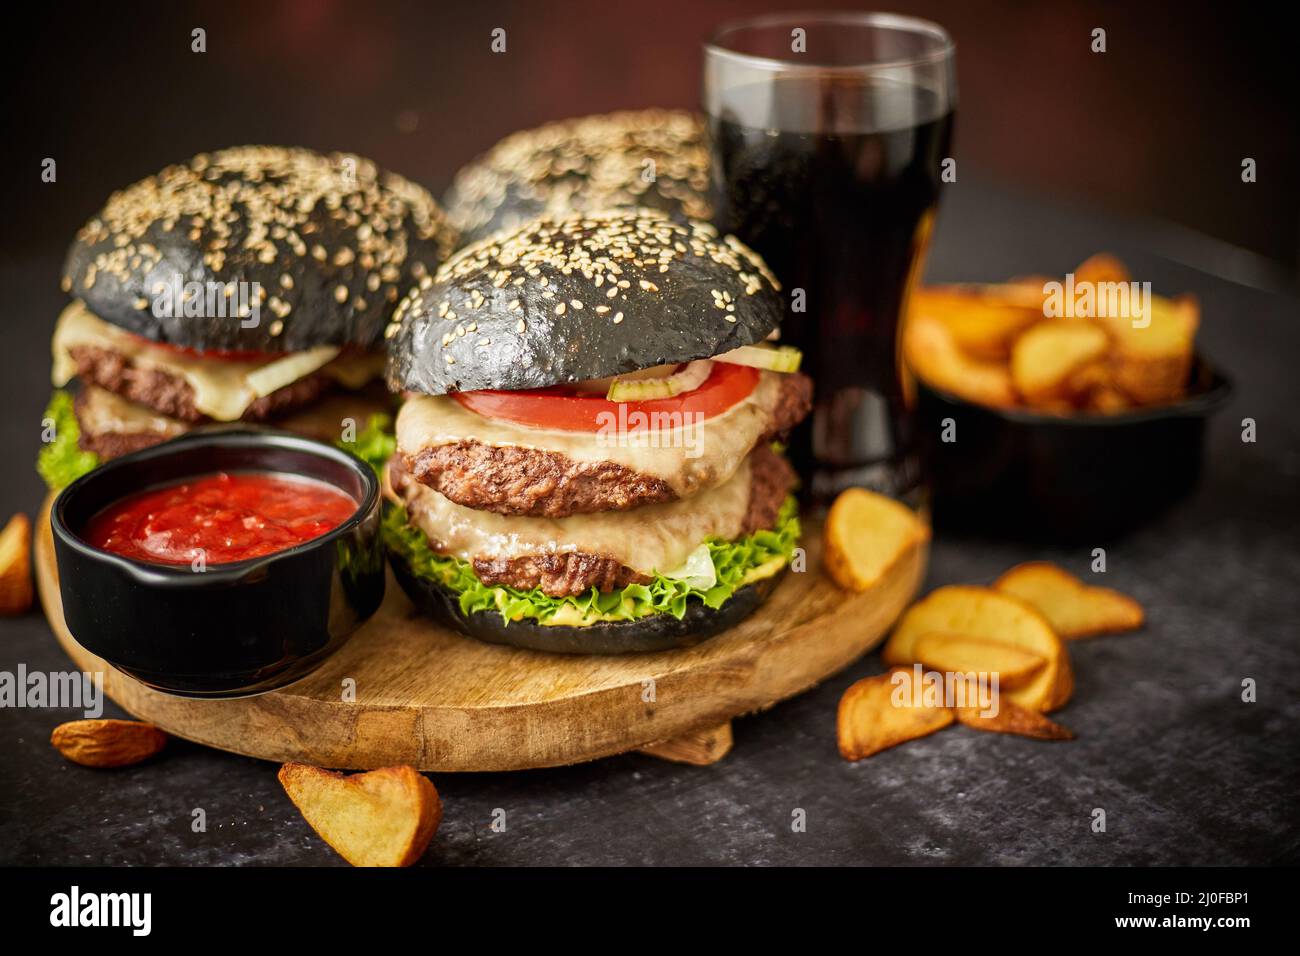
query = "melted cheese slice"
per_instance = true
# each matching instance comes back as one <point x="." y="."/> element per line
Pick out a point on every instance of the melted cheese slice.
<point x="101" y="411"/>
<point x="689" y="458"/>
<point x="223" y="390"/>
<point x="654" y="538"/>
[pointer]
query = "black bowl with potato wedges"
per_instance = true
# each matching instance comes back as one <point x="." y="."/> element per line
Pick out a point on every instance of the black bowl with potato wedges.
<point x="1059" y="409"/>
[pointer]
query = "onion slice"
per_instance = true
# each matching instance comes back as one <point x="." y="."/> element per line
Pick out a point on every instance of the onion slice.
<point x="772" y="358"/>
<point x="644" y="389"/>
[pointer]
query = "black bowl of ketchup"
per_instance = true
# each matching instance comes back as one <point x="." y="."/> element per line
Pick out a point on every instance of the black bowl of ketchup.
<point x="222" y="563"/>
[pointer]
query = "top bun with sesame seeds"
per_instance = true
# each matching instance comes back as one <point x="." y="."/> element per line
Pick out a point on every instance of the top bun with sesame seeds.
<point x="651" y="158"/>
<point x="588" y="296"/>
<point x="331" y="242"/>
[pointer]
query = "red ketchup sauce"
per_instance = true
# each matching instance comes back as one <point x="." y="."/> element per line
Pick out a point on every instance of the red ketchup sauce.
<point x="223" y="517"/>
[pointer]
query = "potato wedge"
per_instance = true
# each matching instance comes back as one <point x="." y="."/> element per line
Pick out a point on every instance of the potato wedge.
<point x="16" y="565"/>
<point x="1089" y="381"/>
<point x="1073" y="608"/>
<point x="870" y="718"/>
<point x="1014" y="719"/>
<point x="1093" y="389"/>
<point x="385" y="817"/>
<point x="957" y="653"/>
<point x="1031" y="281"/>
<point x="1103" y="267"/>
<point x="107" y="743"/>
<point x="866" y="534"/>
<point x="982" y="319"/>
<point x="1107" y="401"/>
<point x="1045" y="357"/>
<point x="932" y="353"/>
<point x="991" y="615"/>
<point x="1151" y="363"/>
<point x="1088" y="377"/>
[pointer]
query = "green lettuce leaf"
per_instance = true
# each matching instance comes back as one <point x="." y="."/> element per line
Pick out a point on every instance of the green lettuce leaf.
<point x="375" y="443"/>
<point x="734" y="561"/>
<point x="62" y="461"/>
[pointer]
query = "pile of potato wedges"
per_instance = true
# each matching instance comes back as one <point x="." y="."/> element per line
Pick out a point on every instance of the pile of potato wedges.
<point x="1095" y="343"/>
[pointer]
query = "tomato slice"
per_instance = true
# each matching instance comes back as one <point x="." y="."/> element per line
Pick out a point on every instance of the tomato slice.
<point x="567" y="409"/>
<point x="216" y="355"/>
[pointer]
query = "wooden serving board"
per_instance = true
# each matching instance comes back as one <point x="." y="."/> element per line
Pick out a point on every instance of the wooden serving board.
<point x="432" y="699"/>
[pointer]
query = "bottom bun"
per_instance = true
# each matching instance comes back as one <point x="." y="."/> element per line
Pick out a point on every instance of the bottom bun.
<point x="657" y="632"/>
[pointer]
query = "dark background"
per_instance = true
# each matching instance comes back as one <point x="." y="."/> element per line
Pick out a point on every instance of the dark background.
<point x="1156" y="126"/>
<point x="1062" y="153"/>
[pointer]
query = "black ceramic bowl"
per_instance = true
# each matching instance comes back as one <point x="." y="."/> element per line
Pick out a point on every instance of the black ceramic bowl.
<point x="1066" y="479"/>
<point x="232" y="629"/>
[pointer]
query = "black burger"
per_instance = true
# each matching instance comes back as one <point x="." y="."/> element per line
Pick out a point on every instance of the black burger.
<point x="586" y="458"/>
<point x="653" y="158"/>
<point x="250" y="284"/>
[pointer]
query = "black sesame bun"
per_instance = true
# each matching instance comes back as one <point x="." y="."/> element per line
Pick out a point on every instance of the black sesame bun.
<point x="588" y="296"/>
<point x="656" y="632"/>
<point x="332" y="241"/>
<point x="585" y="165"/>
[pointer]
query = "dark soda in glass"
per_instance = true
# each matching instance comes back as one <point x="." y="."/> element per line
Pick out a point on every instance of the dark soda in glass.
<point x="833" y="175"/>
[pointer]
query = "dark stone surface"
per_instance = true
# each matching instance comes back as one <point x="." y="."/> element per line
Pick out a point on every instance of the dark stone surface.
<point x="1185" y="771"/>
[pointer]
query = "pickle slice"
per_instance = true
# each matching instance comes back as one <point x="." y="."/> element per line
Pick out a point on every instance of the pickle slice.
<point x="643" y="389"/>
<point x="772" y="358"/>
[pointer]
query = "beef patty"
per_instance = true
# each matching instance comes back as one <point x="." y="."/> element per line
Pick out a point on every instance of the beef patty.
<point x="110" y="445"/>
<point x="576" y="572"/>
<point x="172" y="395"/>
<point x="512" y="480"/>
<point x="110" y="425"/>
